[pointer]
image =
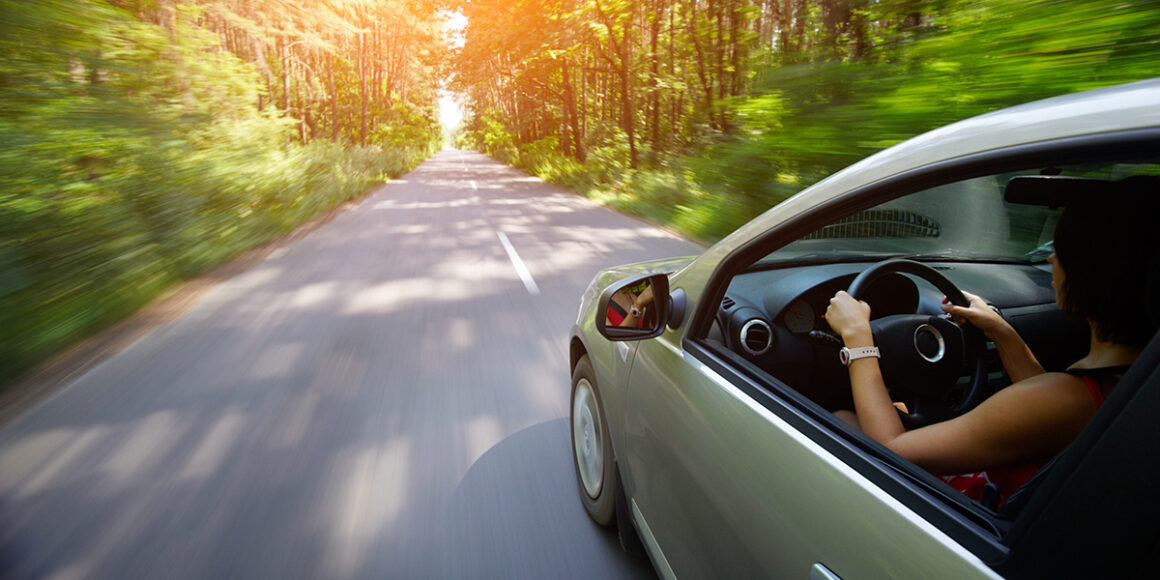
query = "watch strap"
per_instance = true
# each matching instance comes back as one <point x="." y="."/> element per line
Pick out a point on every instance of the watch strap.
<point x="849" y="355"/>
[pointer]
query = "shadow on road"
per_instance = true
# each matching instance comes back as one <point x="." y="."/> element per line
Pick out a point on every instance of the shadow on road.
<point x="521" y="487"/>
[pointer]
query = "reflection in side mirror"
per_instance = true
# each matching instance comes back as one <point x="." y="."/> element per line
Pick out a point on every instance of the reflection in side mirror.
<point x="634" y="309"/>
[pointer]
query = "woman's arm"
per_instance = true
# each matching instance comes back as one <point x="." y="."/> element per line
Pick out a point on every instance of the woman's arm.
<point x="877" y="416"/>
<point x="1030" y="420"/>
<point x="1018" y="360"/>
<point x="638" y="304"/>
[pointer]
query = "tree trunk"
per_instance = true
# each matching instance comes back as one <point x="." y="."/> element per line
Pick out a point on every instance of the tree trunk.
<point x="570" y="115"/>
<point x="786" y="40"/>
<point x="673" y="65"/>
<point x="654" y="72"/>
<point x="584" y="95"/>
<point x="362" y="85"/>
<point x="334" y="124"/>
<point x="706" y="84"/>
<point x="282" y="55"/>
<point x="627" y="112"/>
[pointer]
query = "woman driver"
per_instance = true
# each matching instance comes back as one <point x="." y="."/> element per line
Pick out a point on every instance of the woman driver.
<point x="1099" y="272"/>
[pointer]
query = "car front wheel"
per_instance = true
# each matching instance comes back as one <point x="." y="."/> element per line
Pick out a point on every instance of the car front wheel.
<point x="591" y="446"/>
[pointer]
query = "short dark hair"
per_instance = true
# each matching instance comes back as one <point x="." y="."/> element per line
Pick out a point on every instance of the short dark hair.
<point x="1108" y="249"/>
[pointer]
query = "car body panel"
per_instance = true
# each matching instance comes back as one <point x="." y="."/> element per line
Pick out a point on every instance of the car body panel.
<point x="701" y="454"/>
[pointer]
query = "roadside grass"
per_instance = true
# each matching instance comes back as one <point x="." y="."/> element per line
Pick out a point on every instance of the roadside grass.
<point x="80" y="252"/>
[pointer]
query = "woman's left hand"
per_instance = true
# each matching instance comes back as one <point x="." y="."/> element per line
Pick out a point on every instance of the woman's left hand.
<point x="851" y="319"/>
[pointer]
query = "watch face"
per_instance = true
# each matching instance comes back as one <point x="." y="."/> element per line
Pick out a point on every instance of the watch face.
<point x="844" y="356"/>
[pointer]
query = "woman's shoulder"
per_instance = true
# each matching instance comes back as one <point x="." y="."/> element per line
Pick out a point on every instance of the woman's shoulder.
<point x="1049" y="384"/>
<point x="1050" y="394"/>
<point x="1029" y="420"/>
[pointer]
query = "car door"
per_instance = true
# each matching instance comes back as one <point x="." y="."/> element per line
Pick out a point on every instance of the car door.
<point x="726" y="482"/>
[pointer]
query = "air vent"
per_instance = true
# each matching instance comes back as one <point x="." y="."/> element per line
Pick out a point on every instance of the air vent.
<point x="727" y="303"/>
<point x="756" y="337"/>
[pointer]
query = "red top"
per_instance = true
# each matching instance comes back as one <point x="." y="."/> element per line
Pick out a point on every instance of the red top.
<point x="616" y="314"/>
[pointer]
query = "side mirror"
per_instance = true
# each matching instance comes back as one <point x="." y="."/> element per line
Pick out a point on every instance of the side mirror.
<point x="634" y="309"/>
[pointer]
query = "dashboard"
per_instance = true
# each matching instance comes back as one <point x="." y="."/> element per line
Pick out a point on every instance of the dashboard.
<point x="775" y="318"/>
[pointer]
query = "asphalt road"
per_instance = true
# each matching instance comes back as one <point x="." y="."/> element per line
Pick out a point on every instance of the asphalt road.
<point x="386" y="397"/>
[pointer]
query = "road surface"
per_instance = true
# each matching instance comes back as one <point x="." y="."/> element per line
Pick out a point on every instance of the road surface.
<point x="386" y="397"/>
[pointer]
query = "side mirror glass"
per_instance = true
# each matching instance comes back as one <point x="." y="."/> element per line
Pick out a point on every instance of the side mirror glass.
<point x="634" y="309"/>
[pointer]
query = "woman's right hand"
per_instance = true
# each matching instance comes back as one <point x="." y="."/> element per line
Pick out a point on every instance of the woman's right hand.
<point x="850" y="318"/>
<point x="977" y="313"/>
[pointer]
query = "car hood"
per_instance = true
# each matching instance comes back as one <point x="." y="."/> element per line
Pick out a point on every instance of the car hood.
<point x="662" y="266"/>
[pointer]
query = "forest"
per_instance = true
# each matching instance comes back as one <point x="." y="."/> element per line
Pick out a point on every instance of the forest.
<point x="700" y="114"/>
<point x="144" y="142"/>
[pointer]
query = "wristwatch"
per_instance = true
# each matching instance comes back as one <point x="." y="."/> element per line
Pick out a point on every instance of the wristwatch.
<point x="849" y="355"/>
<point x="634" y="312"/>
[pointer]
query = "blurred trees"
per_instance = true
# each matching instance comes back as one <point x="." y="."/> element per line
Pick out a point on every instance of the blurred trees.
<point x="339" y="68"/>
<point x="703" y="113"/>
<point x="639" y="76"/>
<point x="144" y="141"/>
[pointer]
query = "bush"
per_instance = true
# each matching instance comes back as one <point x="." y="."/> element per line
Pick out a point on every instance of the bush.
<point x="81" y="250"/>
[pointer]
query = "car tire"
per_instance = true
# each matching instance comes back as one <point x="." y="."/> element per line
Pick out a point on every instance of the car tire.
<point x="592" y="447"/>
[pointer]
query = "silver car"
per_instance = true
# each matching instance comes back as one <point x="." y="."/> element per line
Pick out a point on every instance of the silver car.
<point x="704" y="388"/>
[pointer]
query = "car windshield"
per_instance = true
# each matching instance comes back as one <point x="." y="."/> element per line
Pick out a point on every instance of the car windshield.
<point x="964" y="220"/>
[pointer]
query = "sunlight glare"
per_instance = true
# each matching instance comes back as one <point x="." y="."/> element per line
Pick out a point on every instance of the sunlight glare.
<point x="453" y="25"/>
<point x="449" y="113"/>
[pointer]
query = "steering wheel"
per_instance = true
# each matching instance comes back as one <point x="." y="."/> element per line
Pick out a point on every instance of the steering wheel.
<point x="923" y="356"/>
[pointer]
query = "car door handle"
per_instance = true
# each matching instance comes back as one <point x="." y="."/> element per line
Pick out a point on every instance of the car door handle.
<point x="820" y="572"/>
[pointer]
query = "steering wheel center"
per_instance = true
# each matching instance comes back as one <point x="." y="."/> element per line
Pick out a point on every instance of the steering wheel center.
<point x="929" y="343"/>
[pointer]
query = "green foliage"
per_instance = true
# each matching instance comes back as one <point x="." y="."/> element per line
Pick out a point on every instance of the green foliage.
<point x="807" y="121"/>
<point x="405" y="126"/>
<point x="78" y="253"/>
<point x="134" y="156"/>
<point x="844" y="85"/>
<point x="486" y="133"/>
<point x="541" y="156"/>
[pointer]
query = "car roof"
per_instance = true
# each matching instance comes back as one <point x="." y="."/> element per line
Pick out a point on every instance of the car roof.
<point x="1118" y="108"/>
